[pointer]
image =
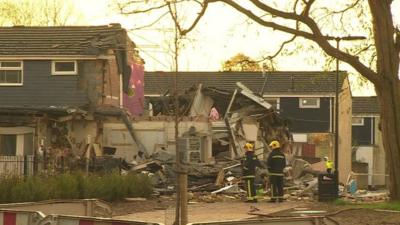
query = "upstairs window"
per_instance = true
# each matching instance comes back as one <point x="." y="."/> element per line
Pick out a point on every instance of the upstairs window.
<point x="64" y="68"/>
<point x="10" y="73"/>
<point x="357" y="121"/>
<point x="309" y="102"/>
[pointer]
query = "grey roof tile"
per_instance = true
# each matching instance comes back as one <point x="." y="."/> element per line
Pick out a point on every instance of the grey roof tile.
<point x="365" y="105"/>
<point x="58" y="40"/>
<point x="293" y="82"/>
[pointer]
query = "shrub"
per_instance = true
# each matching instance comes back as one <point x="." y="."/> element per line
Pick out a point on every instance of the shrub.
<point x="109" y="187"/>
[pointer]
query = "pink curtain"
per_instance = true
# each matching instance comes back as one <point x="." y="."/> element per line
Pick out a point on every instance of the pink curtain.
<point x="133" y="101"/>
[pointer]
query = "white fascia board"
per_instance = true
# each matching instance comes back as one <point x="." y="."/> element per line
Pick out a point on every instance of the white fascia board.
<point x="365" y="115"/>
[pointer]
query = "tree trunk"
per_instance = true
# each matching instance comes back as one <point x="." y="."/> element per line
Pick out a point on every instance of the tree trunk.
<point x="389" y="98"/>
<point x="388" y="88"/>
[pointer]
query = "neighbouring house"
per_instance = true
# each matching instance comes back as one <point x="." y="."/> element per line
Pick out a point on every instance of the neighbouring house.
<point x="367" y="141"/>
<point x="60" y="85"/>
<point x="306" y="99"/>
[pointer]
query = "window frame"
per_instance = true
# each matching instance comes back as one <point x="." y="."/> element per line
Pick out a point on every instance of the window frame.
<point x="72" y="73"/>
<point x="20" y="68"/>
<point x="357" y="124"/>
<point x="317" y="106"/>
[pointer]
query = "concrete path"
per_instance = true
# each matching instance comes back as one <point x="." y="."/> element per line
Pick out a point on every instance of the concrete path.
<point x="203" y="212"/>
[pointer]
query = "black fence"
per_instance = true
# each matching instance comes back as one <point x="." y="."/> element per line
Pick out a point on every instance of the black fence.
<point x="29" y="165"/>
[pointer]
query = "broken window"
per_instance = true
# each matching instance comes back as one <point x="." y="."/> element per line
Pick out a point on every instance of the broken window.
<point x="10" y="73"/>
<point x="8" y="144"/>
<point x="64" y="68"/>
<point x="309" y="102"/>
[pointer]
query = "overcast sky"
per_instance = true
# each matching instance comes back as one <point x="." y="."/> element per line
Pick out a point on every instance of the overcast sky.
<point x="222" y="33"/>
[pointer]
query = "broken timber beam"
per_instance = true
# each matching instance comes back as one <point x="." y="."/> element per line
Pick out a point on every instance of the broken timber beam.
<point x="250" y="94"/>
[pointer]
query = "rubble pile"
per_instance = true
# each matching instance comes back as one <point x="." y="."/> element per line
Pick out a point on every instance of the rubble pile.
<point x="236" y="118"/>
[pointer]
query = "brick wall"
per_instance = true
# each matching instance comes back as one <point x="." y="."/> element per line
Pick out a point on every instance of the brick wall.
<point x="111" y="82"/>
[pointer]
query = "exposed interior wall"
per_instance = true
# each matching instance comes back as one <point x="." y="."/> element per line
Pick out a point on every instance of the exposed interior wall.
<point x="79" y="131"/>
<point x="91" y="80"/>
<point x="201" y="104"/>
<point x="154" y="135"/>
<point x="345" y="114"/>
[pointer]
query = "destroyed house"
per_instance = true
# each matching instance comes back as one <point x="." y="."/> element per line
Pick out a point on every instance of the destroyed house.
<point x="56" y="81"/>
<point x="305" y="98"/>
<point x="367" y="141"/>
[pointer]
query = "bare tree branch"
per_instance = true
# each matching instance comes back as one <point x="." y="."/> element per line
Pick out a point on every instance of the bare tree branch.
<point x="316" y="35"/>
<point x="201" y="14"/>
<point x="282" y="46"/>
<point x="347" y="8"/>
<point x="266" y="23"/>
<point x="366" y="48"/>
<point x="141" y="11"/>
<point x="307" y="8"/>
<point x="174" y="17"/>
<point x="150" y="24"/>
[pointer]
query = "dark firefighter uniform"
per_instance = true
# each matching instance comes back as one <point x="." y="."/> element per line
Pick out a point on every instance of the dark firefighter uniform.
<point x="276" y="162"/>
<point x="249" y="170"/>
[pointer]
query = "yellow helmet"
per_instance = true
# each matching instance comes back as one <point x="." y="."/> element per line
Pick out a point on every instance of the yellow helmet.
<point x="248" y="147"/>
<point x="274" y="144"/>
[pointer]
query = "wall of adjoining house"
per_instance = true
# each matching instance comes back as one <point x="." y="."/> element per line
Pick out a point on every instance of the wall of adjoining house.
<point x="363" y="134"/>
<point x="379" y="158"/>
<point x="306" y="120"/>
<point x="345" y="115"/>
<point x="41" y="88"/>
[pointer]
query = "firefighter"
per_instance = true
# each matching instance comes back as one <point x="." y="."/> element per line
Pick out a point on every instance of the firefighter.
<point x="328" y="164"/>
<point x="249" y="170"/>
<point x="276" y="162"/>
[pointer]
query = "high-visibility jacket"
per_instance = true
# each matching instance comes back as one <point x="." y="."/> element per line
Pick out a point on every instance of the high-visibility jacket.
<point x="329" y="164"/>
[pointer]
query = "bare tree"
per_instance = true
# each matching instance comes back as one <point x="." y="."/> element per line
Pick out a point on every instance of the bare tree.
<point x="37" y="13"/>
<point x="300" y="20"/>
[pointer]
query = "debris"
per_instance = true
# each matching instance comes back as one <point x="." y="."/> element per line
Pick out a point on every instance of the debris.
<point x="352" y="187"/>
<point x="309" y="212"/>
<point x="253" y="209"/>
<point x="135" y="199"/>
<point x="229" y="189"/>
